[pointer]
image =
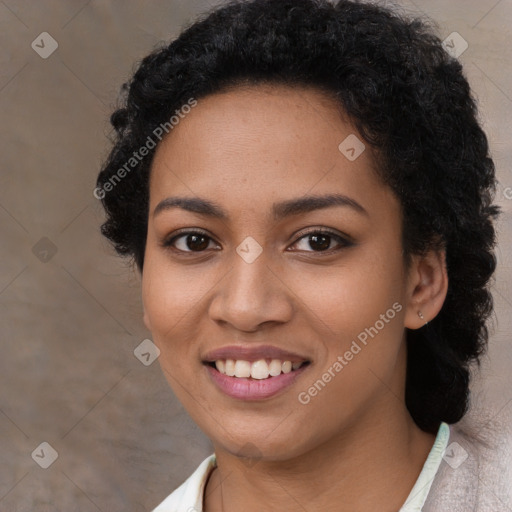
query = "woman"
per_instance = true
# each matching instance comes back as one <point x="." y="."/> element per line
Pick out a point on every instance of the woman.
<point x="307" y="193"/>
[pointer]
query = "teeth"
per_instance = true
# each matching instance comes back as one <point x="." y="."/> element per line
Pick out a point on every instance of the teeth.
<point x="221" y="366"/>
<point x="287" y="366"/>
<point x="258" y="370"/>
<point x="275" y="367"/>
<point x="230" y="368"/>
<point x="242" y="369"/>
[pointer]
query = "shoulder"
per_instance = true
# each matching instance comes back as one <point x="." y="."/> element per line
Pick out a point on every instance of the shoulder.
<point x="188" y="497"/>
<point x="476" y="470"/>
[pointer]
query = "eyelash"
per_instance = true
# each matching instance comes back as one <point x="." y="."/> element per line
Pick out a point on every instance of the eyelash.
<point x="344" y="242"/>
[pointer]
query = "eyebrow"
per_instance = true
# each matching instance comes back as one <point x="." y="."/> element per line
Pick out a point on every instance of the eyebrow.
<point x="280" y="210"/>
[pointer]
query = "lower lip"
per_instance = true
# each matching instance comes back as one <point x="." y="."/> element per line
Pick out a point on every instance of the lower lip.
<point x="253" y="389"/>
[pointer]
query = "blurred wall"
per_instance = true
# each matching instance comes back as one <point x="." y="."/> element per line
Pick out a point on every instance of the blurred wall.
<point x="71" y="310"/>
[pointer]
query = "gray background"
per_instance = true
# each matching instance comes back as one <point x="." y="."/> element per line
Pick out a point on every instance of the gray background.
<point x="71" y="310"/>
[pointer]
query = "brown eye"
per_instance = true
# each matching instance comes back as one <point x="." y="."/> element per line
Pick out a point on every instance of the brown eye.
<point x="197" y="242"/>
<point x="190" y="241"/>
<point x="321" y="241"/>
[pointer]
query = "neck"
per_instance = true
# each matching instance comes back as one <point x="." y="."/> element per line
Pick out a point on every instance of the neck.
<point x="369" y="466"/>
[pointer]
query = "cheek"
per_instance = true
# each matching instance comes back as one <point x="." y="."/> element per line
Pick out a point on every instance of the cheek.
<point x="172" y="299"/>
<point x="171" y="304"/>
<point x="360" y="308"/>
<point x="171" y="290"/>
<point x="351" y="296"/>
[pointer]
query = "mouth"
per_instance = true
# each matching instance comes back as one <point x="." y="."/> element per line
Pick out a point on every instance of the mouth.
<point x="254" y="373"/>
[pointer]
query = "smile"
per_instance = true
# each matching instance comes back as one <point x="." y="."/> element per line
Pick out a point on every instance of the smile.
<point x="258" y="370"/>
<point x="248" y="373"/>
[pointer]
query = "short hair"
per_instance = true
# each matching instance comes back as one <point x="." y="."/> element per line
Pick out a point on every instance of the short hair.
<point x="408" y="99"/>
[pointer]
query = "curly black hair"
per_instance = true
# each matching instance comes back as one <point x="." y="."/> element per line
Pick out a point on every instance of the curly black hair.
<point x="407" y="97"/>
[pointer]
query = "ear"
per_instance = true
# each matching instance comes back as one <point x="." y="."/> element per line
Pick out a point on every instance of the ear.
<point x="427" y="285"/>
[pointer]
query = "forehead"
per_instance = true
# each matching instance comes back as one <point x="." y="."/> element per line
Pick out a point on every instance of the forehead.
<point x="262" y="143"/>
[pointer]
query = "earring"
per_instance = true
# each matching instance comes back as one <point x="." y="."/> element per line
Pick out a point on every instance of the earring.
<point x="420" y="314"/>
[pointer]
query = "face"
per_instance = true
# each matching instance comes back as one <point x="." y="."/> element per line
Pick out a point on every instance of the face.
<point x="263" y="269"/>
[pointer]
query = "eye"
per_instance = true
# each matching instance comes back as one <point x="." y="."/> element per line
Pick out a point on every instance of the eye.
<point x="321" y="240"/>
<point x="190" y="241"/>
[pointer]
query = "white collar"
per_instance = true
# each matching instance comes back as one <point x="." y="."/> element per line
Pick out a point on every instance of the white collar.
<point x="189" y="496"/>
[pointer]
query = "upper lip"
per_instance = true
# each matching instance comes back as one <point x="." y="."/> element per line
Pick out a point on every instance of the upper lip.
<point x="252" y="354"/>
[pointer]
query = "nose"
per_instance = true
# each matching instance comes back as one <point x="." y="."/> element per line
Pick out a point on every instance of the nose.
<point x="251" y="295"/>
